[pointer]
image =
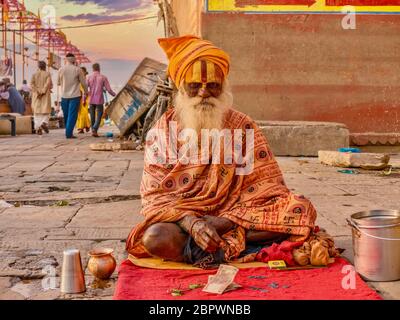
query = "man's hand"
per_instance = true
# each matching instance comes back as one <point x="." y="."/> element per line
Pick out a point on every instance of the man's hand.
<point x="206" y="236"/>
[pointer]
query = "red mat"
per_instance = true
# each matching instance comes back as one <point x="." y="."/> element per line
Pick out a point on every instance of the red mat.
<point x="136" y="283"/>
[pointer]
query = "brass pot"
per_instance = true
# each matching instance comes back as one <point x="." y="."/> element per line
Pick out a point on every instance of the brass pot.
<point x="101" y="263"/>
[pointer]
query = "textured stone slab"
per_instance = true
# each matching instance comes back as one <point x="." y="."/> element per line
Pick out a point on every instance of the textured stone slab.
<point x="8" y="153"/>
<point x="109" y="166"/>
<point x="389" y="290"/>
<point x="11" y="295"/>
<point x="69" y="166"/>
<point x="376" y="190"/>
<point x="73" y="187"/>
<point x="339" y="208"/>
<point x="395" y="161"/>
<point x="23" y="125"/>
<point x="92" y="234"/>
<point x="112" y="169"/>
<point x="136" y="156"/>
<point x="354" y="160"/>
<point x="41" y="153"/>
<point x="108" y="215"/>
<point x="14" y="146"/>
<point x="30" y="159"/>
<point x="59" y="177"/>
<point x="375" y="139"/>
<point x="131" y="180"/>
<point x="36" y="217"/>
<point x="15" y="187"/>
<point x="114" y="146"/>
<point x="79" y="196"/>
<point x="5" y="283"/>
<point x="302" y="138"/>
<point x="75" y="156"/>
<point x="29" y="166"/>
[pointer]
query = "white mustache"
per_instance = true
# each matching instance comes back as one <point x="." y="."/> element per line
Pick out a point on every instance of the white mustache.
<point x="206" y="103"/>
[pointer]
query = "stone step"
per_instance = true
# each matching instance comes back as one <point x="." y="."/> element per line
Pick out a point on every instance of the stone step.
<point x="374" y="161"/>
<point x="375" y="139"/>
<point x="304" y="138"/>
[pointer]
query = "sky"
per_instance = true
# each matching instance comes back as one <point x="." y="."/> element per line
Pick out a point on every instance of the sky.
<point x="118" y="48"/>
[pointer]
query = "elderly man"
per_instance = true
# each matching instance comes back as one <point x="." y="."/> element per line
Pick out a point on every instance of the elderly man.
<point x="41" y="85"/>
<point x="208" y="213"/>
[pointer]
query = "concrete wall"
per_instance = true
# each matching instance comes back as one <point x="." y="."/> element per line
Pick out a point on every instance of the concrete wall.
<point x="306" y="67"/>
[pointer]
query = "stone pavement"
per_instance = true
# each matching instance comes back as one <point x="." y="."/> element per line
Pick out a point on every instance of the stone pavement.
<point x="100" y="194"/>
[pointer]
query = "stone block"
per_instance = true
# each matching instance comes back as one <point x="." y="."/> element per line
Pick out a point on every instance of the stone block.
<point x="23" y="124"/>
<point x="11" y="295"/>
<point x="114" y="146"/>
<point x="304" y="138"/>
<point x="123" y="214"/>
<point x="375" y="139"/>
<point x="36" y="217"/>
<point x="373" y="161"/>
<point x="30" y="166"/>
<point x="388" y="290"/>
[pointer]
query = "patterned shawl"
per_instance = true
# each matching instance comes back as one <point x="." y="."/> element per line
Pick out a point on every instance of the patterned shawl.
<point x="258" y="201"/>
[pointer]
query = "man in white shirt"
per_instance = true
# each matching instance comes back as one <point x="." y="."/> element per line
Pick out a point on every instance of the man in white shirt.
<point x="71" y="79"/>
<point x="25" y="87"/>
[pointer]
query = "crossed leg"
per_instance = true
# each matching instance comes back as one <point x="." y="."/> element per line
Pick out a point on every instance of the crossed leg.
<point x="168" y="240"/>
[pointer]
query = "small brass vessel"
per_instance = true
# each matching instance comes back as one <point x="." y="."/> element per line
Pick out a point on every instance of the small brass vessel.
<point x="101" y="263"/>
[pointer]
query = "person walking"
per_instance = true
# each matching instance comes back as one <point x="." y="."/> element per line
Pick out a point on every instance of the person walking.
<point x="26" y="94"/>
<point x="71" y="78"/>
<point x="41" y="85"/>
<point x="83" y="122"/>
<point x="97" y="84"/>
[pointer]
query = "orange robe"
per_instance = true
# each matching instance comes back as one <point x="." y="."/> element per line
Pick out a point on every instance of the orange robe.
<point x="257" y="201"/>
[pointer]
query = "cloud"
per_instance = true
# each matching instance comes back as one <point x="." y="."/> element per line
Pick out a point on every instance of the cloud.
<point x="116" y="5"/>
<point x="113" y="10"/>
<point x="98" y="18"/>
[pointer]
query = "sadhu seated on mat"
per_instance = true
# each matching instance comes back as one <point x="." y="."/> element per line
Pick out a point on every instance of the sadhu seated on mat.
<point x="205" y="202"/>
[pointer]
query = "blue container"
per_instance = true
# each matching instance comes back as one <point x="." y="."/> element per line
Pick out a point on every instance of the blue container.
<point x="109" y="135"/>
<point x="351" y="150"/>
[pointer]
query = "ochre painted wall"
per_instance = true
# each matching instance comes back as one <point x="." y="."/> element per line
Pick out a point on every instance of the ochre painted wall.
<point x="307" y="67"/>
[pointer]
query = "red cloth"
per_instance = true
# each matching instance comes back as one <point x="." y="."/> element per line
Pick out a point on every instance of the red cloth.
<point x="135" y="283"/>
<point x="282" y="251"/>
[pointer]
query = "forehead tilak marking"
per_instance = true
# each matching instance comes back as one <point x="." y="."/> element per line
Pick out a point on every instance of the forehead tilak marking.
<point x="203" y="71"/>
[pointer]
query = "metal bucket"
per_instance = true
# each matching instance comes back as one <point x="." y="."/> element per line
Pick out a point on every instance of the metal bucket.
<point x="376" y="244"/>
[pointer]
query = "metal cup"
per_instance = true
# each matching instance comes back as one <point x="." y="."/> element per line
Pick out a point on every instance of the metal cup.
<point x="72" y="276"/>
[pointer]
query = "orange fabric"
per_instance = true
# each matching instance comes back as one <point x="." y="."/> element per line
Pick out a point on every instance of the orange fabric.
<point x="182" y="52"/>
<point x="258" y="201"/>
<point x="158" y="263"/>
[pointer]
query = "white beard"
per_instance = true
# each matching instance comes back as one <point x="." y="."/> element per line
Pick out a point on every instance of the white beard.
<point x="198" y="113"/>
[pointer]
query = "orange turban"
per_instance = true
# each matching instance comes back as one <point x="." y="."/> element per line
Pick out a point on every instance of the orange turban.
<point x="183" y="52"/>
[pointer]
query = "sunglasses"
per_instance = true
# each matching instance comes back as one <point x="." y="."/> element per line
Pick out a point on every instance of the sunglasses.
<point x="213" y="88"/>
